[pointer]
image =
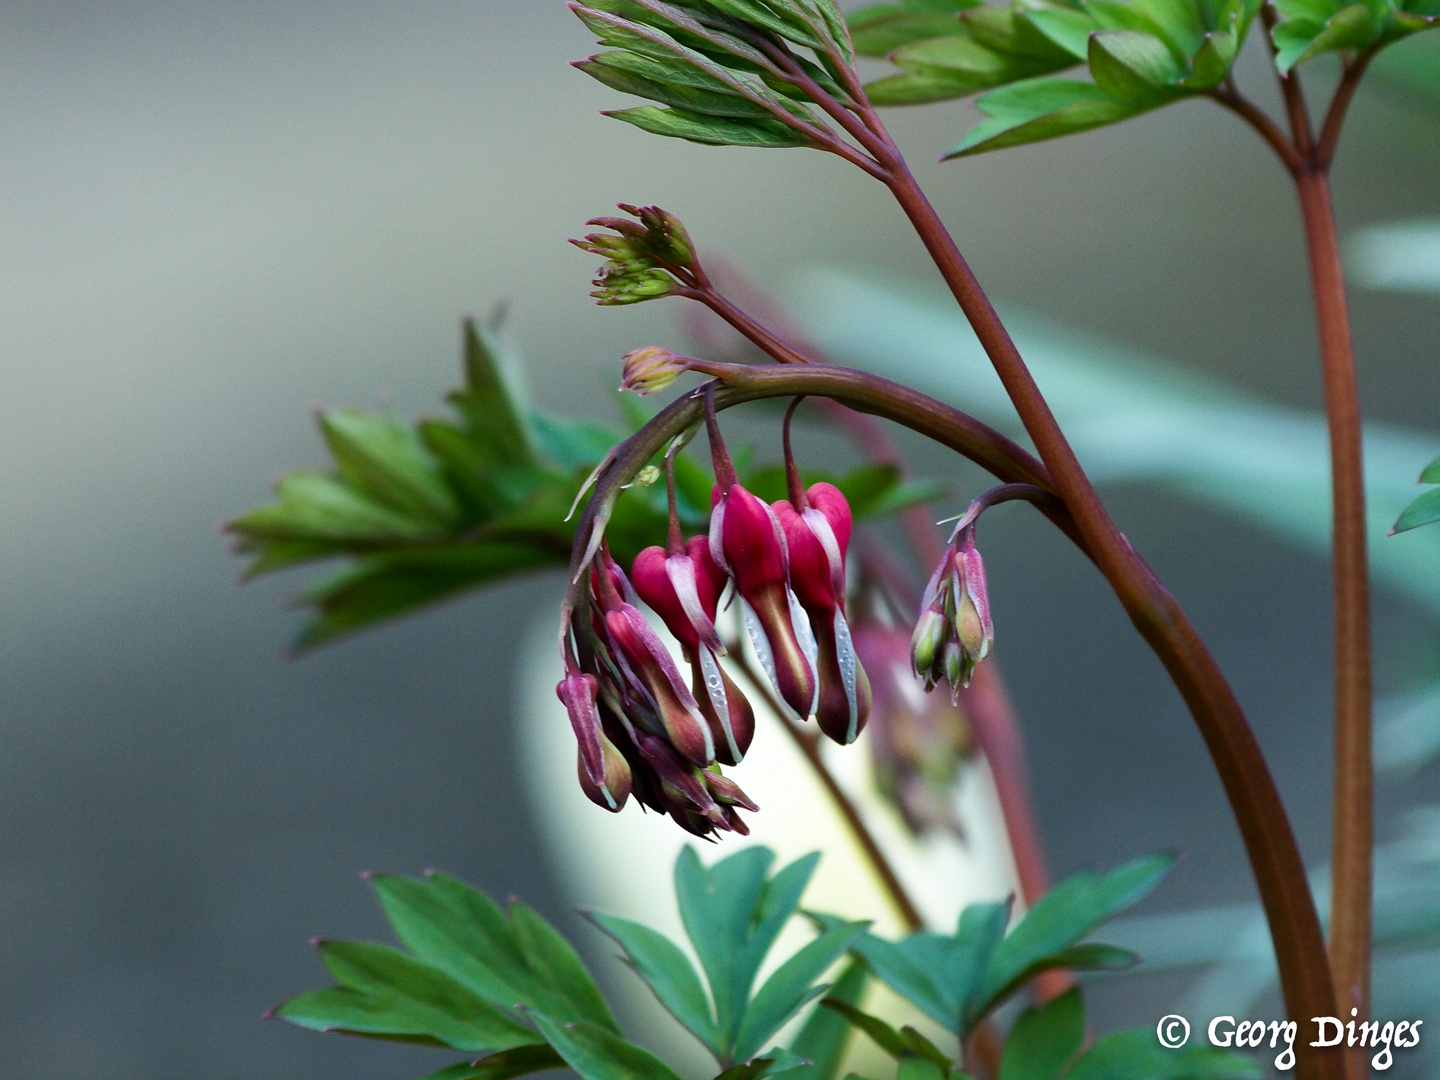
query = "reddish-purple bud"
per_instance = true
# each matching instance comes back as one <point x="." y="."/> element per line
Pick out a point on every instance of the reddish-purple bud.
<point x="953" y="632"/>
<point x="647" y="659"/>
<point x="817" y="538"/>
<point x="684" y="590"/>
<point x="613" y="789"/>
<point x="578" y="692"/>
<point x="746" y="540"/>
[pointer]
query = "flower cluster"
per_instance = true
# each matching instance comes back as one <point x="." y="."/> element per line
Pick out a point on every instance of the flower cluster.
<point x="953" y="632"/>
<point x="642" y="727"/>
<point x="643" y="257"/>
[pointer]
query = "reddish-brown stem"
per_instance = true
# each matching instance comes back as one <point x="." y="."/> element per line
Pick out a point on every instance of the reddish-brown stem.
<point x="1267" y="129"/>
<point x="1353" y="828"/>
<point x="1291" y="93"/>
<point x="1259" y="812"/>
<point x="1339" y="106"/>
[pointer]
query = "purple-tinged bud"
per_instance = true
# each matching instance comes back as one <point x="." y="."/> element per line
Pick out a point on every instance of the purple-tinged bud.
<point x="647" y="659"/>
<point x="578" y="692"/>
<point x="613" y="789"/>
<point x="746" y="540"/>
<point x="927" y="643"/>
<point x="953" y="632"/>
<point x="817" y="538"/>
<point x="650" y="369"/>
<point x="726" y="791"/>
<point x="684" y="590"/>
<point x="972" y="604"/>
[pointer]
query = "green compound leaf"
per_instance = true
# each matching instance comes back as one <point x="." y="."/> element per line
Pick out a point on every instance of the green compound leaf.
<point x="598" y="1054"/>
<point x="792" y="987"/>
<point x="711" y="130"/>
<point x="958" y="979"/>
<point x="384" y="993"/>
<point x="643" y="77"/>
<point x="1039" y="109"/>
<point x="1311" y="28"/>
<point x="966" y="65"/>
<point x="668" y="972"/>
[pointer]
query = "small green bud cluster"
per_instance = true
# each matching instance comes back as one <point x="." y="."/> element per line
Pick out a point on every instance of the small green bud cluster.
<point x="645" y="258"/>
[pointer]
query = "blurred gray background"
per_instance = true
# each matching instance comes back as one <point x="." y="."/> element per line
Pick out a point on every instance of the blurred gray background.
<point x="214" y="215"/>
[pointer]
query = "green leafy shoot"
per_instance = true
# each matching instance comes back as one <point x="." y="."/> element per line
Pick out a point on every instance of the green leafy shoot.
<point x="957" y="980"/>
<point x="721" y="72"/>
<point x="1139" y="55"/>
<point x="733" y="911"/>
<point x="1310" y="28"/>
<point x="1425" y="510"/>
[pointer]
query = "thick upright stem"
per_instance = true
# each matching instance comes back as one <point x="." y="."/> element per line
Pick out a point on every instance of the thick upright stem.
<point x="1353" y="832"/>
<point x="1264" y="826"/>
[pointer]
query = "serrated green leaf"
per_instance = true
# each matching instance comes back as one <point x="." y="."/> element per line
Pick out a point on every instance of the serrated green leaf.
<point x="1044" y="1039"/>
<point x="1062" y="917"/>
<point x="394" y="995"/>
<point x="1039" y="109"/>
<point x="825" y="1035"/>
<point x="668" y="973"/>
<point x="792" y="987"/>
<point x="711" y="130"/>
<point x="1137" y="1055"/>
<point x="1423" y="511"/>
<point x="1134" y="67"/>
<point x="597" y="1054"/>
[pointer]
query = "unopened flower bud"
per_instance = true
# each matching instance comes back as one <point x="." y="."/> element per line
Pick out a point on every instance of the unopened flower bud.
<point x="817" y="538"/>
<point x="684" y="590"/>
<point x="650" y="369"/>
<point x="613" y="788"/>
<point x="746" y="539"/>
<point x="953" y="632"/>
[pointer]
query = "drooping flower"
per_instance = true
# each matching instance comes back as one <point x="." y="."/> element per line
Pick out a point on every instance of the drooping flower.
<point x="684" y="589"/>
<point x="817" y="533"/>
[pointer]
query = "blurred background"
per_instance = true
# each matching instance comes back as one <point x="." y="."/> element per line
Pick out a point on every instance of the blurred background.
<point x="213" y="216"/>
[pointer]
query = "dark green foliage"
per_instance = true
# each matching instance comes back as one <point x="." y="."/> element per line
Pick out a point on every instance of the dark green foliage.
<point x="1425" y="510"/>
<point x="958" y="979"/>
<point x="733" y="911"/>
